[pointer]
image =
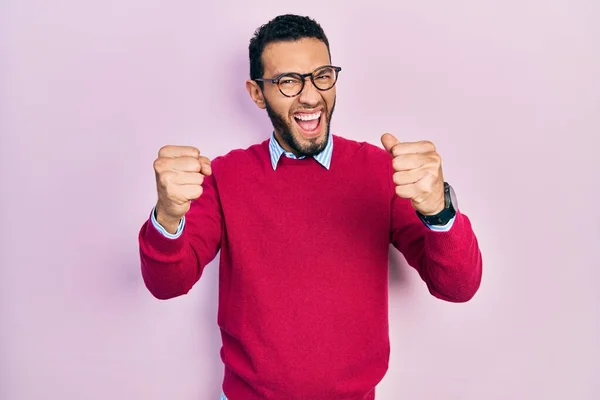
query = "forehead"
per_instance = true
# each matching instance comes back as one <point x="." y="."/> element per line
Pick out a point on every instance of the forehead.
<point x="302" y="56"/>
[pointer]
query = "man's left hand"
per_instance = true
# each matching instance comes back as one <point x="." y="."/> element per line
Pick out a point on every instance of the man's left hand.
<point x="418" y="173"/>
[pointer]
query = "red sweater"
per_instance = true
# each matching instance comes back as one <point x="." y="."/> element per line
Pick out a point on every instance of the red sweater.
<point x="303" y="282"/>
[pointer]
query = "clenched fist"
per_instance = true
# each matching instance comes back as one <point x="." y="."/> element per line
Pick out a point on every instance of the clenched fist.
<point x="418" y="173"/>
<point x="180" y="171"/>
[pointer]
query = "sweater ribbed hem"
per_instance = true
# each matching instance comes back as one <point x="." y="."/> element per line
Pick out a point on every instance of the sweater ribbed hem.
<point x="236" y="389"/>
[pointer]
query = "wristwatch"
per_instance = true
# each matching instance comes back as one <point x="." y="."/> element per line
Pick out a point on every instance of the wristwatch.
<point x="449" y="211"/>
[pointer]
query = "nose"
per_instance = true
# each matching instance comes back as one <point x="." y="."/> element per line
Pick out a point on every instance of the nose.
<point x="309" y="95"/>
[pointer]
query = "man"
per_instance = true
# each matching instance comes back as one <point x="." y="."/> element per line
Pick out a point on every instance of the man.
<point x="303" y="222"/>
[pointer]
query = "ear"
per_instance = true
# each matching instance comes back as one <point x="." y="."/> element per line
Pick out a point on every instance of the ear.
<point x="255" y="93"/>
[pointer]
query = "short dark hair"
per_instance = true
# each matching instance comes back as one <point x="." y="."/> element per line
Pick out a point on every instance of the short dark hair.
<point x="282" y="28"/>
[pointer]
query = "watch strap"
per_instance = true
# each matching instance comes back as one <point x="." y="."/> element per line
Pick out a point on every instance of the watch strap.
<point x="444" y="216"/>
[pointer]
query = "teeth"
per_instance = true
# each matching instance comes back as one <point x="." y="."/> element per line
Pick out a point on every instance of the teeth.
<point x="308" y="117"/>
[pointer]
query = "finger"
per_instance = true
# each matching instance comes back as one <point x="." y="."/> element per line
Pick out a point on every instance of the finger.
<point x="184" y="164"/>
<point x="389" y="141"/>
<point x="409" y="177"/>
<point x="178" y="151"/>
<point x="191" y="192"/>
<point x="412" y="148"/>
<point x="417" y="191"/>
<point x="190" y="178"/>
<point x="409" y="191"/>
<point x="407" y="162"/>
<point x="206" y="168"/>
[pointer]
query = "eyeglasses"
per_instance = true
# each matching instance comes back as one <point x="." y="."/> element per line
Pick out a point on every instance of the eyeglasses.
<point x="291" y="84"/>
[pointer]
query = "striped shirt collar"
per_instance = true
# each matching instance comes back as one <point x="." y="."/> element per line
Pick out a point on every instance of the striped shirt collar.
<point x="276" y="151"/>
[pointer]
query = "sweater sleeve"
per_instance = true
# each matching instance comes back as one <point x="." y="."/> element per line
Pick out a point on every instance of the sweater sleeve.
<point x="171" y="266"/>
<point x="449" y="262"/>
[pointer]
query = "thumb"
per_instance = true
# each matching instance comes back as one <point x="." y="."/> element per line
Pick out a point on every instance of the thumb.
<point x="388" y="140"/>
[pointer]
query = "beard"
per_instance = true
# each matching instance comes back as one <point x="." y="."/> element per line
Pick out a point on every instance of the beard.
<point x="284" y="128"/>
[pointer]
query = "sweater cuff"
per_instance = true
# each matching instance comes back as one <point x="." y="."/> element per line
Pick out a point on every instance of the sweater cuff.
<point x="154" y="241"/>
<point x="451" y="239"/>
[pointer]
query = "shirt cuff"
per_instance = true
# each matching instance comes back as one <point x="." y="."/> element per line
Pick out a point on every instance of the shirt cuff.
<point x="442" y="228"/>
<point x="162" y="230"/>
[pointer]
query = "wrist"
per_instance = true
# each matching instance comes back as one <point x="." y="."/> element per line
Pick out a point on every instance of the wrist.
<point x="432" y="209"/>
<point x="446" y="212"/>
<point x="171" y="224"/>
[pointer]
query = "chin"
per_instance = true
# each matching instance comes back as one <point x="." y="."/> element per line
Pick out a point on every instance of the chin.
<point x="310" y="140"/>
<point x="310" y="145"/>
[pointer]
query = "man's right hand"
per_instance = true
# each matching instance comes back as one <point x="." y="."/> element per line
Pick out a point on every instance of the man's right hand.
<point x="180" y="171"/>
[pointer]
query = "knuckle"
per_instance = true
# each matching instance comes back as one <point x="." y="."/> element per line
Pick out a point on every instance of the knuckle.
<point x="170" y="194"/>
<point x="164" y="150"/>
<point x="196" y="164"/>
<point x="158" y="164"/>
<point x="425" y="186"/>
<point x="205" y="161"/>
<point x="429" y="144"/>
<point x="166" y="180"/>
<point x="431" y="162"/>
<point x="418" y="200"/>
<point x="397" y="177"/>
<point x="171" y="189"/>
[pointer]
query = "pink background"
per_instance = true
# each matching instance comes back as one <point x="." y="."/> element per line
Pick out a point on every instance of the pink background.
<point x="509" y="92"/>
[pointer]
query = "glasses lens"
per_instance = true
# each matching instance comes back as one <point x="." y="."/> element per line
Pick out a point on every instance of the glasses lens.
<point x="290" y="84"/>
<point x="325" y="78"/>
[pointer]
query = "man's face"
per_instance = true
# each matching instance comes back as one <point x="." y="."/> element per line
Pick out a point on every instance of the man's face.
<point x="301" y="123"/>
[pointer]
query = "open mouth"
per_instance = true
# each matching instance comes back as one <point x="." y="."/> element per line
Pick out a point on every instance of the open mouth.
<point x="309" y="124"/>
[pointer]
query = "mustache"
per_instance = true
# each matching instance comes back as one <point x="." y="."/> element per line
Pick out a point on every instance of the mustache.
<point x="323" y="107"/>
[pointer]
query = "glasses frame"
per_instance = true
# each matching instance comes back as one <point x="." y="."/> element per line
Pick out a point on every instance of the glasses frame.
<point x="275" y="80"/>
